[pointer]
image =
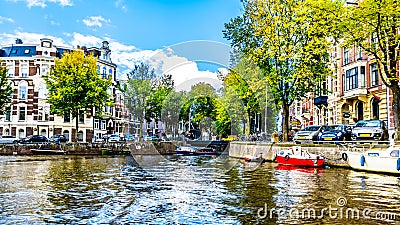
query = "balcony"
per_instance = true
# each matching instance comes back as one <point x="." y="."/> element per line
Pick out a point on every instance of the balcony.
<point x="356" y="93"/>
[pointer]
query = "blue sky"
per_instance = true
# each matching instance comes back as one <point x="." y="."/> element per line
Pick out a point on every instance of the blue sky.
<point x="136" y="29"/>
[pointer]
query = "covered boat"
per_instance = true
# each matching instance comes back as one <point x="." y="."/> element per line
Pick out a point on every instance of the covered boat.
<point x="296" y="156"/>
<point x="192" y="150"/>
<point x="383" y="160"/>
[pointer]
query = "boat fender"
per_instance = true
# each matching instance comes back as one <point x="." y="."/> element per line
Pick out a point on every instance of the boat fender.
<point x="344" y="156"/>
<point x="362" y="160"/>
<point x="398" y="164"/>
<point x="287" y="157"/>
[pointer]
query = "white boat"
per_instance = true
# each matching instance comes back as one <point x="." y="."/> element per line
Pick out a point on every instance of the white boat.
<point x="384" y="160"/>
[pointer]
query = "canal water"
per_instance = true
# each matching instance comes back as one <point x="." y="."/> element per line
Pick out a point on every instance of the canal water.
<point x="189" y="190"/>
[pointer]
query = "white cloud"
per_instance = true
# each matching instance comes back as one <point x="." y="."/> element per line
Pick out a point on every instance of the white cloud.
<point x="185" y="72"/>
<point x="32" y="38"/>
<point x="6" y="19"/>
<point x="95" y="21"/>
<point x="43" y="3"/>
<point x="120" y="4"/>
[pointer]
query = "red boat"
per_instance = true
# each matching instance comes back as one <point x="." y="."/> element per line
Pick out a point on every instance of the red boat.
<point x="296" y="156"/>
<point x="313" y="170"/>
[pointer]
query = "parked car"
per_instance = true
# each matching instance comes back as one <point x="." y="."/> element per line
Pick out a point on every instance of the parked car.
<point x="8" y="139"/>
<point x="150" y="138"/>
<point x="34" y="139"/>
<point x="308" y="134"/>
<point x="58" y="138"/>
<point x="129" y="137"/>
<point x="370" y="130"/>
<point x="114" y="138"/>
<point x="335" y="133"/>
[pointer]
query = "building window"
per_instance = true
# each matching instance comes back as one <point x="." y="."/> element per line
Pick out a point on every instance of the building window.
<point x="81" y="117"/>
<point x="43" y="92"/>
<point x="67" y="118"/>
<point x="44" y="69"/>
<point x="8" y="115"/>
<point x="11" y="69"/>
<point x="21" y="133"/>
<point x="80" y="136"/>
<point x="96" y="124"/>
<point x="346" y="57"/>
<point x="22" y="113"/>
<point x="351" y="79"/>
<point x="103" y="125"/>
<point x="22" y="92"/>
<point x="375" y="109"/>
<point x="359" y="52"/>
<point x="24" y="70"/>
<point x="104" y="73"/>
<point x="43" y="113"/>
<point x="374" y="75"/>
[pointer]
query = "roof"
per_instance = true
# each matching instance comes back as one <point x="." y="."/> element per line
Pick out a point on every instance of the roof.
<point x="18" y="51"/>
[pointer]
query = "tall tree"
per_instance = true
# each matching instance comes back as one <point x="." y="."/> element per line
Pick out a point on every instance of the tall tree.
<point x="75" y="86"/>
<point x="170" y="112"/>
<point x="137" y="90"/>
<point x="374" y="26"/>
<point x="246" y="94"/>
<point x="288" y="43"/>
<point x="5" y="91"/>
<point x="162" y="87"/>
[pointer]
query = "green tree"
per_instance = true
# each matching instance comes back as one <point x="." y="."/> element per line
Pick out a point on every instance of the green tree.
<point x="246" y="95"/>
<point x="161" y="89"/>
<point x="374" y="26"/>
<point x="137" y="90"/>
<point x="287" y="42"/>
<point x="170" y="112"/>
<point x="5" y="91"/>
<point x="75" y="86"/>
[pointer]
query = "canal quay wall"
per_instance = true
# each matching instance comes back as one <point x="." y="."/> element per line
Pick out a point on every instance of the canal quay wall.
<point x="70" y="148"/>
<point x="331" y="153"/>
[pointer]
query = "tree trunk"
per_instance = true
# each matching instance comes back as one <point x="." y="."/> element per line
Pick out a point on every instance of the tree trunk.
<point x="285" y="121"/>
<point x="76" y="124"/>
<point x="396" y="112"/>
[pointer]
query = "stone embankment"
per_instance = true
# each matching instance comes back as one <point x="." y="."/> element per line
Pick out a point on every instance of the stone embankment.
<point x="93" y="148"/>
<point x="331" y="153"/>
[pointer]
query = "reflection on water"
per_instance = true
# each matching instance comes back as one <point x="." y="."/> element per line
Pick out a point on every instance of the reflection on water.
<point x="187" y="190"/>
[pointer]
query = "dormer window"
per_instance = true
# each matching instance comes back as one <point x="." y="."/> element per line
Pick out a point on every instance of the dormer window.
<point x="46" y="44"/>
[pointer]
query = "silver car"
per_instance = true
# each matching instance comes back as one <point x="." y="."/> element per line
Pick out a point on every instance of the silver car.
<point x="308" y="134"/>
<point x="370" y="130"/>
<point x="8" y="139"/>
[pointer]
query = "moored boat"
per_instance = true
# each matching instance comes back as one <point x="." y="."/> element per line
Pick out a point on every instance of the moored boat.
<point x="386" y="160"/>
<point x="192" y="150"/>
<point x="48" y="151"/>
<point x="296" y="156"/>
<point x="252" y="158"/>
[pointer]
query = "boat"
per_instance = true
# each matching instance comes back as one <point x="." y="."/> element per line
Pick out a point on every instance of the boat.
<point x="192" y="150"/>
<point x="48" y="151"/>
<point x="252" y="158"/>
<point x="296" y="156"/>
<point x="312" y="170"/>
<point x="381" y="160"/>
